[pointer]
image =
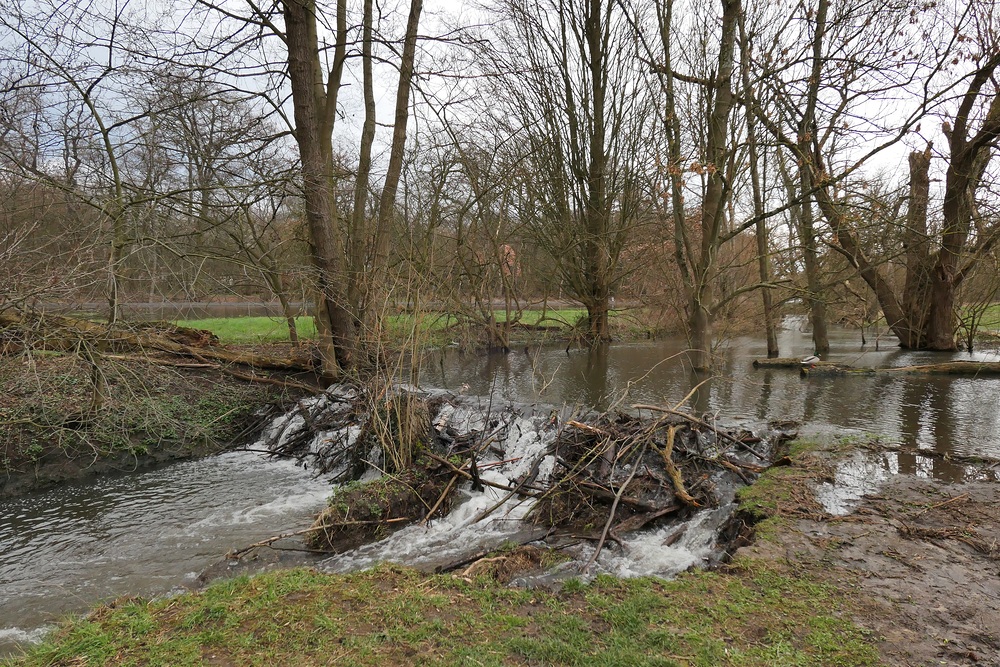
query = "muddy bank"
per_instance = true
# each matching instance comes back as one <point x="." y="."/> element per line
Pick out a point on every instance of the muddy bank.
<point x="150" y="415"/>
<point x="919" y="558"/>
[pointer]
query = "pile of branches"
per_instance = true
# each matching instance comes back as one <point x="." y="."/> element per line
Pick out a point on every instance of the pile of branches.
<point x="624" y="472"/>
<point x="343" y="434"/>
<point x="22" y="330"/>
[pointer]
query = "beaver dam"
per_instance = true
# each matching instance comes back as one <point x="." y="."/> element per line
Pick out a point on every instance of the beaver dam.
<point x="438" y="481"/>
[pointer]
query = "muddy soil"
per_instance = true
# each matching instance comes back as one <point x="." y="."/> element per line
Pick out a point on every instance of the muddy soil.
<point x="922" y="559"/>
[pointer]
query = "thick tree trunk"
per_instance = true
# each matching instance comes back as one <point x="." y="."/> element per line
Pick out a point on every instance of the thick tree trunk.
<point x="333" y="320"/>
<point x="941" y="323"/>
<point x="598" y="325"/>
<point x="598" y="208"/>
<point x="912" y="332"/>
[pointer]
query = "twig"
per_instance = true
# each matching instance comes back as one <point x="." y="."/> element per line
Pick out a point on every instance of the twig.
<point x="611" y="514"/>
<point x="485" y="482"/>
<point x="942" y="504"/>
<point x="444" y="494"/>
<point x="694" y="420"/>
<point x="239" y="553"/>
<point x="586" y="427"/>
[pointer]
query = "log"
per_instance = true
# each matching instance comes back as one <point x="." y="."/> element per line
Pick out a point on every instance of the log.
<point x="950" y="368"/>
<point x="973" y="368"/>
<point x="785" y="362"/>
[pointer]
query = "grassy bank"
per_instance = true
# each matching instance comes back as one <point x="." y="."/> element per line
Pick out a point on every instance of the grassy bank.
<point x="49" y="431"/>
<point x="750" y="615"/>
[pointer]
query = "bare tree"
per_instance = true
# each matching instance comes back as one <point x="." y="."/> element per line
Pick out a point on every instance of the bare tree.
<point x="568" y="76"/>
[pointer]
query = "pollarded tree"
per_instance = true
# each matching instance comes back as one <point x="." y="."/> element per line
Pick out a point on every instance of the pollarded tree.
<point x="922" y="312"/>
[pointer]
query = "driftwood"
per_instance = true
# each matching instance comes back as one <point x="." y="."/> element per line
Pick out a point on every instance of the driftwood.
<point x="623" y="472"/>
<point x="965" y="368"/>
<point x="785" y="362"/>
<point x="60" y="333"/>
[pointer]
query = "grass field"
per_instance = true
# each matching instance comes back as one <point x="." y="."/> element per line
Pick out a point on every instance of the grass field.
<point x="427" y="327"/>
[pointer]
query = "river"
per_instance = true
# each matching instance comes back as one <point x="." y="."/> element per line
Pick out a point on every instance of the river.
<point x="152" y="532"/>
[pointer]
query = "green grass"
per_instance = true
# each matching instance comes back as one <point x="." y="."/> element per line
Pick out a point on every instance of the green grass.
<point x="754" y="615"/>
<point x="991" y="318"/>
<point x="429" y="327"/>
<point x="252" y="329"/>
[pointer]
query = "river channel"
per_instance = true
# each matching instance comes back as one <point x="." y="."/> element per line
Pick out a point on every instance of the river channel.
<point x="152" y="532"/>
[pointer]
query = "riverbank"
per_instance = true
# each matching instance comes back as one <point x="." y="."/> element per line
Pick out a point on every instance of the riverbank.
<point x="150" y="414"/>
<point x="165" y="409"/>
<point x="906" y="576"/>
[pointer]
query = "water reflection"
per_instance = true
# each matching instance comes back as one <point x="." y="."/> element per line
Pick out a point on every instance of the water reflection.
<point x="940" y="414"/>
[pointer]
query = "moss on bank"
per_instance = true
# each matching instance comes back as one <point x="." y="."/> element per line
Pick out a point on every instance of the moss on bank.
<point x="751" y="615"/>
<point x="150" y="413"/>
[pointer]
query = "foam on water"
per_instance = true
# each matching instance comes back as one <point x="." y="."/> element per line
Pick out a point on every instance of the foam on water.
<point x="14" y="635"/>
<point x="524" y="441"/>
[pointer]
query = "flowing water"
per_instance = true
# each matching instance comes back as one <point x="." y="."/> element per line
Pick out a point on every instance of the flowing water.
<point x="151" y="532"/>
<point x="145" y="533"/>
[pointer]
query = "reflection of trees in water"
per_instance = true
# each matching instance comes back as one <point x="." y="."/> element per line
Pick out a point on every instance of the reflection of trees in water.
<point x="701" y="385"/>
<point x="927" y="414"/>
<point x="595" y="387"/>
<point x="764" y="400"/>
<point x="947" y="415"/>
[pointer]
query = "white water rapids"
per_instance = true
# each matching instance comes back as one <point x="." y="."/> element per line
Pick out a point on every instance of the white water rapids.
<point x="519" y="440"/>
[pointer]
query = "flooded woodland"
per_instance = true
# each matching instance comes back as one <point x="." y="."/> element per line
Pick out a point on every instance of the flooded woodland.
<point x="622" y="332"/>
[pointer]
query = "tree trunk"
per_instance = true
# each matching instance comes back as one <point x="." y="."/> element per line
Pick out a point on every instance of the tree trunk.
<point x="597" y="206"/>
<point x="387" y="200"/>
<point x="358" y="275"/>
<point x="713" y="208"/>
<point x="916" y="290"/>
<point x="760" y="229"/>
<point x="700" y="325"/>
<point x="807" y="233"/>
<point x="598" y="326"/>
<point x="333" y="320"/>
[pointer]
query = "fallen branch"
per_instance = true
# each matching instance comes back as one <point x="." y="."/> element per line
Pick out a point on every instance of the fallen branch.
<point x="694" y="420"/>
<point x="672" y="472"/>
<point x="611" y="515"/>
<point x="239" y="553"/>
<point x="467" y="475"/>
<point x="444" y="494"/>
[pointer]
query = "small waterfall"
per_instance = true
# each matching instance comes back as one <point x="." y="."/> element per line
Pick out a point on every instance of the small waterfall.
<point x="514" y="444"/>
